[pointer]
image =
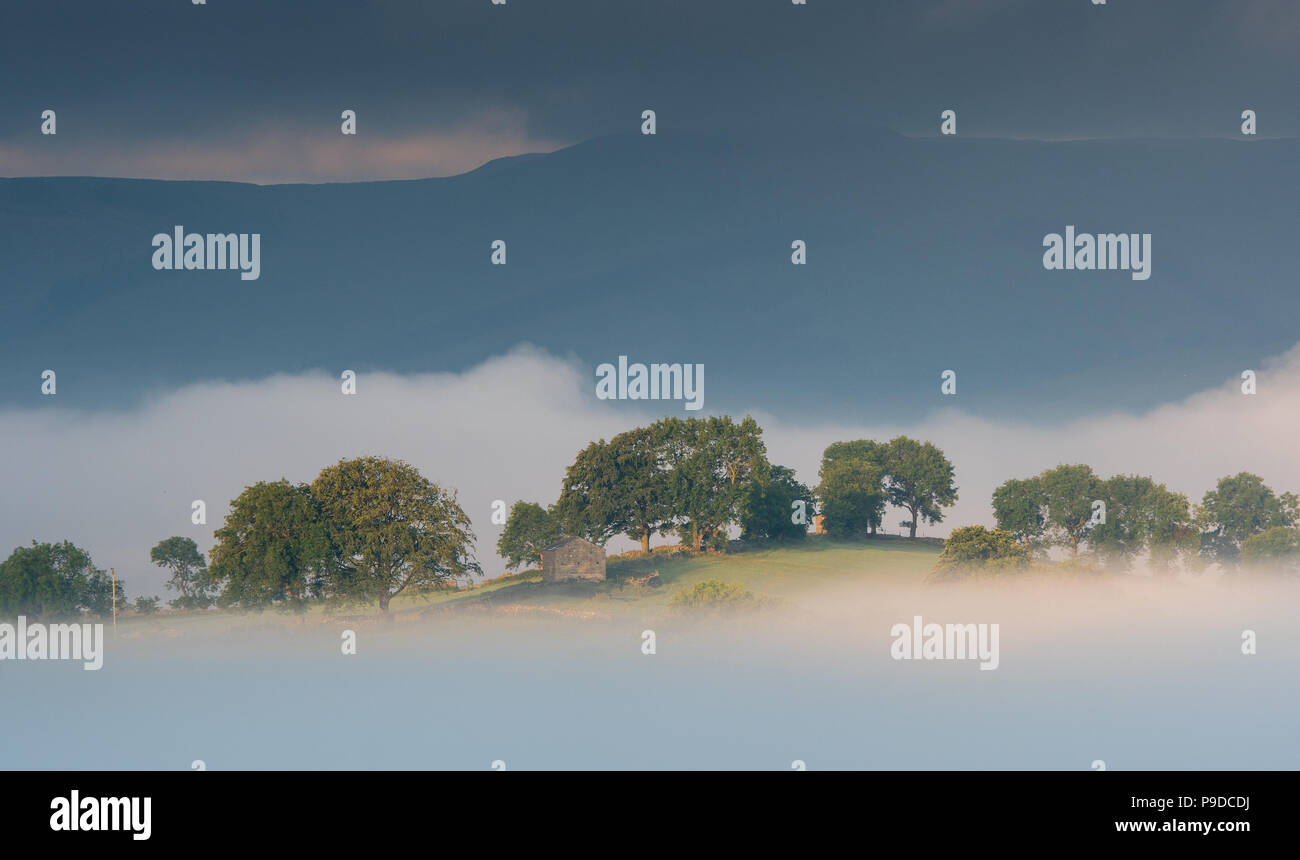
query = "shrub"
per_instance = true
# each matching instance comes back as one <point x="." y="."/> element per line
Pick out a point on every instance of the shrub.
<point x="973" y="549"/>
<point x="715" y="594"/>
<point x="1277" y="547"/>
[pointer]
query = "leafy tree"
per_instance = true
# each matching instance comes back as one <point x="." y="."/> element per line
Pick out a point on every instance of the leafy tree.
<point x="146" y="605"/>
<point x="1052" y="509"/>
<point x="711" y="464"/>
<point x="1069" y="493"/>
<point x="862" y="451"/>
<point x="274" y="548"/>
<point x="1018" y="508"/>
<point x="918" y="479"/>
<point x="54" y="580"/>
<point x="691" y="476"/>
<point x="1277" y="547"/>
<point x="851" y="495"/>
<point x="102" y="590"/>
<point x="975" y="548"/>
<point x="1142" y="515"/>
<point x="870" y="450"/>
<point x="181" y="556"/>
<point x="770" y="507"/>
<point x="529" y="529"/>
<point x="1238" y="507"/>
<point x="392" y="528"/>
<point x="618" y="487"/>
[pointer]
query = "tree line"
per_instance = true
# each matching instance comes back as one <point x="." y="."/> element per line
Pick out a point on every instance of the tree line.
<point x="698" y="478"/>
<point x="366" y="529"/>
<point x="371" y="528"/>
<point x="1113" y="521"/>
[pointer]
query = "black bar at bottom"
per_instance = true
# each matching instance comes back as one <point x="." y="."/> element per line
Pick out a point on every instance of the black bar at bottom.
<point x="332" y="810"/>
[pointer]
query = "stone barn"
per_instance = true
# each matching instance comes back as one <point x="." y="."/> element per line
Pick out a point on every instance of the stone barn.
<point x="573" y="558"/>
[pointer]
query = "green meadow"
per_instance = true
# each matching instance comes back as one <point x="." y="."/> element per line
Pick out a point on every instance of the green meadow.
<point x="781" y="572"/>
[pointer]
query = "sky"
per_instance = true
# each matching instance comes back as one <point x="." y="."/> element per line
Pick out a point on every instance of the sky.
<point x="250" y="90"/>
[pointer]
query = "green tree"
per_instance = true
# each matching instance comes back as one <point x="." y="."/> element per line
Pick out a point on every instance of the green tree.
<point x="102" y="591"/>
<point x="1277" y="548"/>
<point x="712" y="463"/>
<point x="1018" y="507"/>
<point x="54" y="580"/>
<point x="146" y="605"/>
<point x="851" y="494"/>
<point x="1052" y="509"/>
<point x="189" y="571"/>
<point x="769" y="509"/>
<point x="862" y="451"/>
<point x="1238" y="507"/>
<point x="392" y="528"/>
<point x="918" y="479"/>
<point x="530" y="528"/>
<point x="1142" y="515"/>
<point x="618" y="487"/>
<point x="273" y="549"/>
<point x="976" y="548"/>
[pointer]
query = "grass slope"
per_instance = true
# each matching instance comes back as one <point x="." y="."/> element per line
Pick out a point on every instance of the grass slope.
<point x="783" y="572"/>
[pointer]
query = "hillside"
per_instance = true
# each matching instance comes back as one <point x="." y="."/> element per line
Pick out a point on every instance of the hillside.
<point x="784" y="573"/>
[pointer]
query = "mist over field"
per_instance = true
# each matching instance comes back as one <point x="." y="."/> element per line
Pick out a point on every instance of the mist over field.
<point x="117" y="482"/>
<point x="1138" y="673"/>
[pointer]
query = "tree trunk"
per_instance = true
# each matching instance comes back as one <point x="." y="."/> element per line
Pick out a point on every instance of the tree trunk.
<point x="645" y="540"/>
<point x="383" y="605"/>
<point x="913" y="534"/>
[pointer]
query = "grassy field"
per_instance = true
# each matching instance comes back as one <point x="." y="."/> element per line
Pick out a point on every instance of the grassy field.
<point x="781" y="572"/>
<point x="785" y="573"/>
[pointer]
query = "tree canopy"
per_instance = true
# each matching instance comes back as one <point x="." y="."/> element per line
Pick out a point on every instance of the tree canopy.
<point x="919" y="479"/>
<point x="55" y="580"/>
<point x="1238" y="507"/>
<point x="274" y="548"/>
<point x="391" y="529"/>
<point x="688" y="475"/>
<point x="851" y="495"/>
<point x="1277" y="548"/>
<point x="189" y="571"/>
<point x="530" y="528"/>
<point x="770" y="508"/>
<point x="618" y="487"/>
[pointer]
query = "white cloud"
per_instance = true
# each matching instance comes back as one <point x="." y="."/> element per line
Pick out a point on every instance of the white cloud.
<point x="118" y="482"/>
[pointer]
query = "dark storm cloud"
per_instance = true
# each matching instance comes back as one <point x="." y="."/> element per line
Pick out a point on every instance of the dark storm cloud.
<point x="253" y="88"/>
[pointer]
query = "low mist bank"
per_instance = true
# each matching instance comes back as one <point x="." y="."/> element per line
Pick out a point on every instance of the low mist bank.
<point x="1138" y="673"/>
